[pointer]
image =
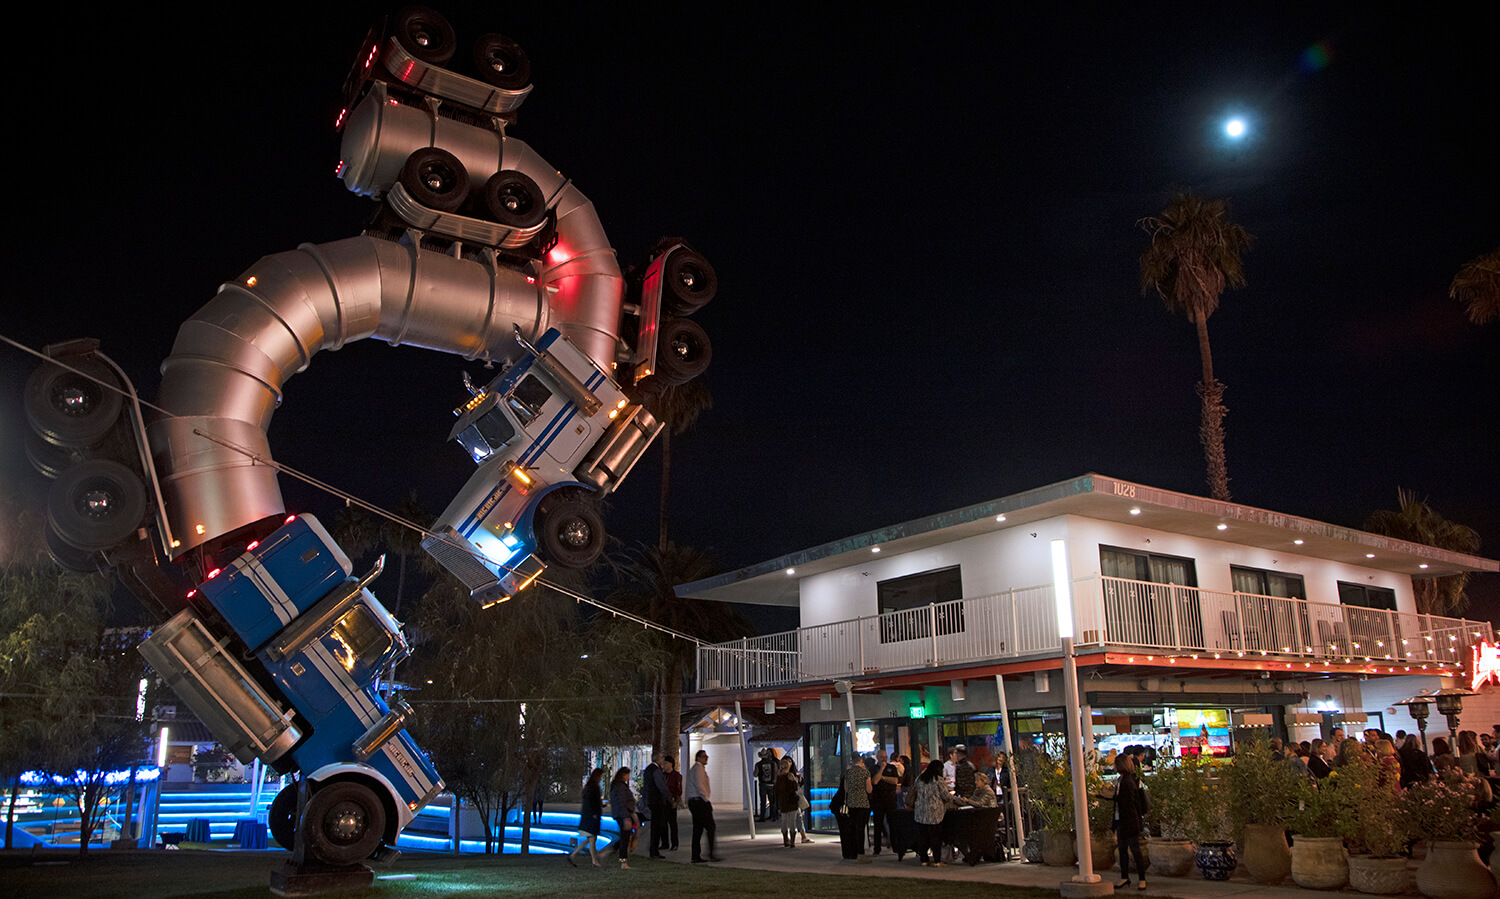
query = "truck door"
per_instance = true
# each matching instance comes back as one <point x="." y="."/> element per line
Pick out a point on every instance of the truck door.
<point x="554" y="423"/>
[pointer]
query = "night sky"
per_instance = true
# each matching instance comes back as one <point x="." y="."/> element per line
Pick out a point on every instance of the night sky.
<point x="924" y="227"/>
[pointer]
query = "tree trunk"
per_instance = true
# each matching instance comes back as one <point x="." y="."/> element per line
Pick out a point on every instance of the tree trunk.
<point x="658" y="716"/>
<point x="1205" y="355"/>
<point x="672" y="702"/>
<point x="1211" y="434"/>
<point x="10" y="813"/>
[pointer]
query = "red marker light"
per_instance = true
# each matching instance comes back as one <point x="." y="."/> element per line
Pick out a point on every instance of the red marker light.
<point x="192" y="593"/>
<point x="215" y="573"/>
<point x="290" y="519"/>
<point x="253" y="544"/>
<point x="406" y="73"/>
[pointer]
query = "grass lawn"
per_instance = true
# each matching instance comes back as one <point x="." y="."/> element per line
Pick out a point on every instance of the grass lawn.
<point x="241" y="876"/>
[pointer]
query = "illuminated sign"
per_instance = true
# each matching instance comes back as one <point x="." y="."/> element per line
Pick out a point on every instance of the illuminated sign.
<point x="1486" y="665"/>
<point x="864" y="740"/>
<point x="917" y="710"/>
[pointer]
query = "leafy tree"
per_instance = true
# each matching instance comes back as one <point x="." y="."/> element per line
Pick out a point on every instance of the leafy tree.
<point x="645" y="583"/>
<point x="511" y="695"/>
<point x="677" y="408"/>
<point x="1193" y="256"/>
<point x="363" y="535"/>
<point x="1418" y="522"/>
<point x="1477" y="286"/>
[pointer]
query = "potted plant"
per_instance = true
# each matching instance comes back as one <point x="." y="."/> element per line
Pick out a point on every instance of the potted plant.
<point x="1212" y="826"/>
<point x="1176" y="788"/>
<point x="1059" y="846"/>
<point x="1378" y="830"/>
<point x="1261" y="800"/>
<point x="1442" y="812"/>
<point x="1319" y="827"/>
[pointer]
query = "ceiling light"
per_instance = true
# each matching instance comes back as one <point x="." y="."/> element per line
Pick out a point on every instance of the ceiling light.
<point x="1298" y="542"/>
<point x="1369" y="555"/>
<point x="874" y="549"/>
<point x="1222" y="526"/>
<point x="1422" y="565"/>
<point x="791" y="571"/>
<point x="999" y="517"/>
<point x="1136" y="511"/>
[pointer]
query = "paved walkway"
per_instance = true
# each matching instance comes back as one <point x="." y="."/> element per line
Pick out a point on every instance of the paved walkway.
<point x="765" y="853"/>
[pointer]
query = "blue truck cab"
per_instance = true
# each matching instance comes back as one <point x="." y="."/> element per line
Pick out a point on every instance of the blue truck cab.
<point x="320" y="639"/>
<point x="552" y="434"/>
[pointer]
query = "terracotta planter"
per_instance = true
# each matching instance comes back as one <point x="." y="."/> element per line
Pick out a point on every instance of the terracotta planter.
<point x="1320" y="863"/>
<point x="1216" y="859"/>
<point x="1106" y="850"/>
<point x="1173" y="858"/>
<point x="1381" y="876"/>
<point x="1059" y="850"/>
<point x="1267" y="857"/>
<point x="1453" y="870"/>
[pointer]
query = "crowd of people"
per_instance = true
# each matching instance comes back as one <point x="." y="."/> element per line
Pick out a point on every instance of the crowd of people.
<point x="664" y="791"/>
<point x="1478" y="756"/>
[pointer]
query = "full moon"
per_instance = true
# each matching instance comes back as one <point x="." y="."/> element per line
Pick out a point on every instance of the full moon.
<point x="1235" y="127"/>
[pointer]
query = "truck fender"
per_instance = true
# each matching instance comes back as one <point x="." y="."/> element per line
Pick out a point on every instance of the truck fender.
<point x="397" y="813"/>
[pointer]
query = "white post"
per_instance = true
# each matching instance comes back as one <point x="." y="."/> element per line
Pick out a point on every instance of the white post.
<point x="1010" y="755"/>
<point x="1063" y="598"/>
<point x="747" y="788"/>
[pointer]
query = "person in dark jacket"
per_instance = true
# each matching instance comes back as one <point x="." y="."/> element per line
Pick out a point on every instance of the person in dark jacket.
<point x="654" y="786"/>
<point x="622" y="809"/>
<point x="1415" y="768"/>
<point x="589" y="816"/>
<point x="1130" y="807"/>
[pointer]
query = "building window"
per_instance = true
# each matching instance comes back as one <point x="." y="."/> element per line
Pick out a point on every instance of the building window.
<point x="904" y="605"/>
<point x="1267" y="583"/>
<point x="1257" y="621"/>
<point x="1150" y="600"/>
<point x="1367" y="597"/>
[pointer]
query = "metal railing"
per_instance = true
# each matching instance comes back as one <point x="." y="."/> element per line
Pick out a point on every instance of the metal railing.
<point x="1108" y="611"/>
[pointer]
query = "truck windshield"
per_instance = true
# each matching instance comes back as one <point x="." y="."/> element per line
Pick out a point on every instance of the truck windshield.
<point x="495" y="429"/>
<point x="528" y="398"/>
<point x="359" y="638"/>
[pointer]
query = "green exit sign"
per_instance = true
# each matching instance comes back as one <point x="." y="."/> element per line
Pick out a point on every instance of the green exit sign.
<point x="917" y="710"/>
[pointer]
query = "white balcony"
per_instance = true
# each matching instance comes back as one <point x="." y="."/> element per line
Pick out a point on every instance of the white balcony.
<point x="1108" y="613"/>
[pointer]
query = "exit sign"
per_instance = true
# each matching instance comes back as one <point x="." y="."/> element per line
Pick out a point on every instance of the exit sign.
<point x="917" y="710"/>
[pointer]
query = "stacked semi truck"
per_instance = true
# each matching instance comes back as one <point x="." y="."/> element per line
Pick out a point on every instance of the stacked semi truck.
<point x="478" y="248"/>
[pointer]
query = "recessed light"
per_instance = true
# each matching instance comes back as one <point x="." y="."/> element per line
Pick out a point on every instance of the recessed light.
<point x="1422" y="565"/>
<point x="1135" y="511"/>
<point x="791" y="571"/>
<point x="999" y="517"/>
<point x="874" y="549"/>
<point x="1298" y="542"/>
<point x="1369" y="555"/>
<point x="1223" y="527"/>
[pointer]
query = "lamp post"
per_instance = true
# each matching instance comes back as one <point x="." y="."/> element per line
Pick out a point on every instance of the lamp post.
<point x="1450" y="703"/>
<point x="1085" y="882"/>
<point x="1417" y="707"/>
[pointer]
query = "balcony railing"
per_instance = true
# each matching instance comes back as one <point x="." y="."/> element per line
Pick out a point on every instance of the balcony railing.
<point x="1108" y="611"/>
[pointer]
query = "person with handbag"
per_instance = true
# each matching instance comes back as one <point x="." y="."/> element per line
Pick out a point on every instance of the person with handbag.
<point x="1131" y="804"/>
<point x="803" y="805"/>
<point x="622" y="809"/>
<point x="928" y="800"/>
<point x="785" y="793"/>
<point x="856" y="791"/>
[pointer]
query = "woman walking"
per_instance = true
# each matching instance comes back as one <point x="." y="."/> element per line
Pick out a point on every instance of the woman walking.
<point x="589" y="817"/>
<point x="1130" y="806"/>
<point x="785" y="794"/>
<point x="928" y="801"/>
<point x="622" y="809"/>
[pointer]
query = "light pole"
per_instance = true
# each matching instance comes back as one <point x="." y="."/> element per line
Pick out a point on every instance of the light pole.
<point x="1085" y="882"/>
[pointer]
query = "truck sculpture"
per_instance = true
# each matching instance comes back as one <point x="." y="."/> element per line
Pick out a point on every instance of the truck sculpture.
<point x="479" y="248"/>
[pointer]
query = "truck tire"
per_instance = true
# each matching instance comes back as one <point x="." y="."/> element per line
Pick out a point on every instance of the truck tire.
<point x="688" y="283"/>
<point x="49" y="459"/>
<point x="682" y="351"/>
<point x="96" y="505"/>
<point x="570" y="530"/>
<point x="73" y="409"/>
<point x="436" y="179"/>
<point x="68" y="557"/>
<point x="425" y="34"/>
<point x="281" y="817"/>
<point x="501" y="62"/>
<point x="345" y="823"/>
<point x="514" y="200"/>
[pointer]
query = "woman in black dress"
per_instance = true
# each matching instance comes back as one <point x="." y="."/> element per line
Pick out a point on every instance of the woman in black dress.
<point x="1130" y="806"/>
<point x="588" y="817"/>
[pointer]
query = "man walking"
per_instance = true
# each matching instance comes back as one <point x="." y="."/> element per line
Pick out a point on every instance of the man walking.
<point x="701" y="808"/>
<point x="656" y="796"/>
<point x="765" y="779"/>
<point x="883" y="794"/>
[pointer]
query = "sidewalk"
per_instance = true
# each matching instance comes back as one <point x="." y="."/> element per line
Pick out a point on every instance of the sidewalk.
<point x="765" y="853"/>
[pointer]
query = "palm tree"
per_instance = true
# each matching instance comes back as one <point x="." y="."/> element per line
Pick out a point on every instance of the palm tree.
<point x="646" y="579"/>
<point x="1418" y="522"/>
<point x="1477" y="285"/>
<point x="677" y="408"/>
<point x="1194" y="255"/>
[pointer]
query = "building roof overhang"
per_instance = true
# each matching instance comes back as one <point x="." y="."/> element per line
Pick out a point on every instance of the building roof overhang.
<point x="775" y="582"/>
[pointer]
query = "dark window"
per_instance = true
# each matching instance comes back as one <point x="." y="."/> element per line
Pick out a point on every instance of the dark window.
<point x="1258" y="623"/>
<point x="912" y="594"/>
<point x="1267" y="583"/>
<point x="1367" y="597"/>
<point x="1149" y="567"/>
<point x="1160" y="612"/>
<point x="495" y="428"/>
<point x="528" y="398"/>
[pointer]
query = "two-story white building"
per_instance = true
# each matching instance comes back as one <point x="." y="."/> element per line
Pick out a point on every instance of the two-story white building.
<point x="1193" y="617"/>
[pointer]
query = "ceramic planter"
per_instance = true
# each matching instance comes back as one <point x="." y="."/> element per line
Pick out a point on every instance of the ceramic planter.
<point x="1216" y="859"/>
<point x="1173" y="858"/>
<point x="1380" y="876"/>
<point x="1267" y="857"/>
<point x="1059" y="850"/>
<point x="1319" y="863"/>
<point x="1453" y="870"/>
<point x="1105" y="850"/>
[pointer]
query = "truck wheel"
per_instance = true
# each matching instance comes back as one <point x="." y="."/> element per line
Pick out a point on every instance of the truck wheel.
<point x="688" y="283"/>
<point x="96" y="505"/>
<point x="570" y="531"/>
<point x="72" y="408"/>
<point x="514" y="200"/>
<point x="49" y="459"/>
<point x="682" y="351"/>
<point x="502" y="62"/>
<point x="345" y="822"/>
<point x="425" y="34"/>
<point x="69" y="557"/>
<point x="436" y="179"/>
<point x="281" y="817"/>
